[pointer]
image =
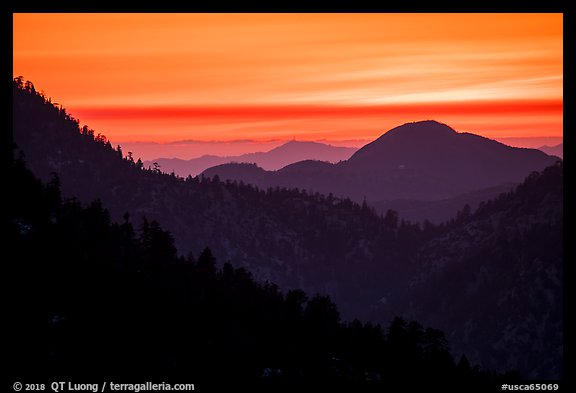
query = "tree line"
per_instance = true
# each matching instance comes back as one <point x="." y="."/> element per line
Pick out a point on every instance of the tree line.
<point x="94" y="297"/>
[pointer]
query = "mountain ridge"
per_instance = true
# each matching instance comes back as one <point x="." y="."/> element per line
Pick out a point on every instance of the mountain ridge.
<point x="424" y="160"/>
<point x="274" y="159"/>
<point x="556" y="150"/>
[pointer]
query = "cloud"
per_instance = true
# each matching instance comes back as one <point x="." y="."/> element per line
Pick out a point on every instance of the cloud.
<point x="210" y="77"/>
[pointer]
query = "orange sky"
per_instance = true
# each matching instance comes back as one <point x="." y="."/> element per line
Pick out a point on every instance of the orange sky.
<point x="169" y="77"/>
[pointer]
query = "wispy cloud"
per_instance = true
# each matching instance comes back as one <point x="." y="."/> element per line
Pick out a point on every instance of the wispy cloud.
<point x="270" y="76"/>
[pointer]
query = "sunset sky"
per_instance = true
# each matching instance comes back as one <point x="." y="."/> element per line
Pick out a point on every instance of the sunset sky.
<point x="170" y="81"/>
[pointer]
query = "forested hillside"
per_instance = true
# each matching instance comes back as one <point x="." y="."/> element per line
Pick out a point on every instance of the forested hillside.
<point x="102" y="299"/>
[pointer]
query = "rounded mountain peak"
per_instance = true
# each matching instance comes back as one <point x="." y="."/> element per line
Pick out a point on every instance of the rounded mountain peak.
<point x="421" y="129"/>
<point x="417" y="138"/>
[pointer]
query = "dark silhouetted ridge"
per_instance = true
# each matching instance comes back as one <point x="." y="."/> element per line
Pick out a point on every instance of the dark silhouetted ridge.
<point x="420" y="129"/>
<point x="425" y="160"/>
<point x="306" y="166"/>
<point x="425" y="134"/>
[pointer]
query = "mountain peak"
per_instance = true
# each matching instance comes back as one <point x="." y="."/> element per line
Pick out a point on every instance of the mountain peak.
<point x="419" y="137"/>
<point x="432" y="153"/>
<point x="298" y="144"/>
<point x="424" y="128"/>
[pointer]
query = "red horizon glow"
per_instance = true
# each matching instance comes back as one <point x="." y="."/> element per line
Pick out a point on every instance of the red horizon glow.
<point x="331" y="77"/>
<point x="313" y="119"/>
